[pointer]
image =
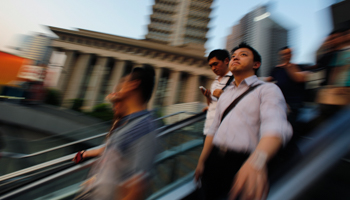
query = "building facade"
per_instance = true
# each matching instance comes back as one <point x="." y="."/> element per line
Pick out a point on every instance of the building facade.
<point x="96" y="62"/>
<point x="261" y="32"/>
<point x="36" y="48"/>
<point x="180" y="22"/>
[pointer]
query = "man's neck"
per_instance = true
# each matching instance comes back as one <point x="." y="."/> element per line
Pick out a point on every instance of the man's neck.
<point x="223" y="75"/>
<point x="240" y="77"/>
<point x="134" y="105"/>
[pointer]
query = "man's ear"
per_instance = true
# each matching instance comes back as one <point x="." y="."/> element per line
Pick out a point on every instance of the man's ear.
<point x="227" y="61"/>
<point x="133" y="85"/>
<point x="256" y="65"/>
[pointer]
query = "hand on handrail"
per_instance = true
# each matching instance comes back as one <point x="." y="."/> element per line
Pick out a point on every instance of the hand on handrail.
<point x="79" y="157"/>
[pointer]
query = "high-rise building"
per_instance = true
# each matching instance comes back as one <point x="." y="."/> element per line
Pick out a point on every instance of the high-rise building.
<point x="180" y="22"/>
<point x="262" y="33"/>
<point x="36" y="48"/>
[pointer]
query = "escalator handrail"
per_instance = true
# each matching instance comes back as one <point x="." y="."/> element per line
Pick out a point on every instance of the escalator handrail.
<point x="34" y="184"/>
<point x="162" y="132"/>
<point x="21" y="156"/>
<point x="331" y="140"/>
<point x="100" y="124"/>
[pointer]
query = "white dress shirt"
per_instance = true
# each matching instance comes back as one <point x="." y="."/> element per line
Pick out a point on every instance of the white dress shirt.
<point x="211" y="109"/>
<point x="262" y="112"/>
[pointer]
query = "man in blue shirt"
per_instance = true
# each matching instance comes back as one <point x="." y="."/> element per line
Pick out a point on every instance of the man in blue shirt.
<point x="123" y="168"/>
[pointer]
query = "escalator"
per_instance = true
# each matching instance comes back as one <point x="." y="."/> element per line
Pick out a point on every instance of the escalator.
<point x="322" y="171"/>
<point x="60" y="179"/>
<point x="56" y="146"/>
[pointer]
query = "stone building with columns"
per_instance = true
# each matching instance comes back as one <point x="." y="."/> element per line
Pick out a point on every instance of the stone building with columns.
<point x="97" y="61"/>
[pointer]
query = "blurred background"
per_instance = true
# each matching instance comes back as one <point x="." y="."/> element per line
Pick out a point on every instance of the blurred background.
<point x="59" y="59"/>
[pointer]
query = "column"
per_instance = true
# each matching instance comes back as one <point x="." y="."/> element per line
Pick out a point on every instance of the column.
<point x="172" y="88"/>
<point x="94" y="84"/>
<point x="192" y="88"/>
<point x="117" y="73"/>
<point x="76" y="79"/>
<point x="66" y="71"/>
<point x="153" y="97"/>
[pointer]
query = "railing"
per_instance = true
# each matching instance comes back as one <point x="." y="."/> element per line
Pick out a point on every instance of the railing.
<point x="330" y="144"/>
<point x="163" y="157"/>
<point x="17" y="161"/>
<point x="20" y="156"/>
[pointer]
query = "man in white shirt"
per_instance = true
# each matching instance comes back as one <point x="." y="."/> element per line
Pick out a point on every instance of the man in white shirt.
<point x="237" y="149"/>
<point x="218" y="61"/>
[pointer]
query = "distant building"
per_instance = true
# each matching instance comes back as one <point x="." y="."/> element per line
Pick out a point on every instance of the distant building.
<point x="36" y="48"/>
<point x="95" y="62"/>
<point x="180" y="22"/>
<point x="261" y="32"/>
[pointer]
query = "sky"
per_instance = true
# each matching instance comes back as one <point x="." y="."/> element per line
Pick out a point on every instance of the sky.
<point x="308" y="20"/>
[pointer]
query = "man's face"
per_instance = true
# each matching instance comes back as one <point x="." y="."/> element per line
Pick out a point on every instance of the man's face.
<point x="219" y="67"/>
<point x="242" y="60"/>
<point x="117" y="98"/>
<point x="285" y="55"/>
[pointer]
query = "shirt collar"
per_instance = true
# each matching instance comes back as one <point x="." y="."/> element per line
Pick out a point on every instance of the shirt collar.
<point x="132" y="116"/>
<point x="228" y="74"/>
<point x="250" y="80"/>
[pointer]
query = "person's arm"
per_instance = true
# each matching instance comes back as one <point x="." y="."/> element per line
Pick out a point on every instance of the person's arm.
<point x="79" y="157"/>
<point x="208" y="145"/>
<point x="207" y="94"/>
<point x="132" y="189"/>
<point x="217" y="93"/>
<point x="251" y="180"/>
<point x="93" y="152"/>
<point x="269" y="79"/>
<point x="295" y="73"/>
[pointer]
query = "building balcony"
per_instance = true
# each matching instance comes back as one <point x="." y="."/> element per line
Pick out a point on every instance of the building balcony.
<point x="199" y="14"/>
<point x="196" y="34"/>
<point x="201" y="5"/>
<point x="162" y="17"/>
<point x="170" y="2"/>
<point x="199" y="24"/>
<point x="164" y="8"/>
<point x="159" y="27"/>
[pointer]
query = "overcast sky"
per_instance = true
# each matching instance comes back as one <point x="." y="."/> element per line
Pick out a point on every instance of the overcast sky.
<point x="308" y="20"/>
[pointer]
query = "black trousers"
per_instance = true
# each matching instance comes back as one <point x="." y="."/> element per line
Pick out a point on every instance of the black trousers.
<point x="220" y="169"/>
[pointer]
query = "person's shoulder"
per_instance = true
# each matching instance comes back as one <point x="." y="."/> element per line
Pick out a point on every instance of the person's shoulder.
<point x="267" y="87"/>
<point x="146" y="124"/>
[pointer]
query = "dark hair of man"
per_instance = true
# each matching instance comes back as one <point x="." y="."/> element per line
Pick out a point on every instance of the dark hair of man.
<point x="283" y="48"/>
<point x="256" y="55"/>
<point x="146" y="75"/>
<point x="220" y="54"/>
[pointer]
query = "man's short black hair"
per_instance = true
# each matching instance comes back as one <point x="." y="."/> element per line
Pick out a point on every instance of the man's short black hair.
<point x="256" y="55"/>
<point x="220" y="54"/>
<point x="146" y="75"/>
